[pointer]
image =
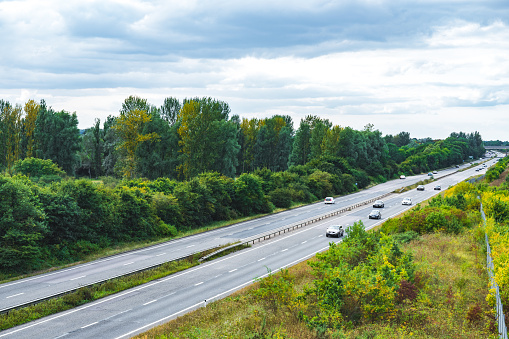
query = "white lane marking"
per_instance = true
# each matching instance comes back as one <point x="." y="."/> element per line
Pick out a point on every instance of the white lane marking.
<point x="90" y="324"/>
<point x="150" y="302"/>
<point x="232" y="270"/>
<point x="83" y="276"/>
<point x="304" y="242"/>
<point x="286" y="249"/>
<point x="217" y="296"/>
<point x="261" y="259"/>
<point x="321" y="235"/>
<point x="160" y="254"/>
<point x="129" y="263"/>
<point x="61" y="336"/>
<point x="14" y="295"/>
<point x="189" y="246"/>
<point x="198" y="283"/>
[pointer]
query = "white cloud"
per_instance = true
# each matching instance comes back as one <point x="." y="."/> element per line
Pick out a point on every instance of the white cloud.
<point x="390" y="63"/>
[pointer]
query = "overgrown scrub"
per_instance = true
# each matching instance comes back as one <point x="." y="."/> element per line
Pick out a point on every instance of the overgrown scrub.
<point x="496" y="207"/>
<point x="494" y="172"/>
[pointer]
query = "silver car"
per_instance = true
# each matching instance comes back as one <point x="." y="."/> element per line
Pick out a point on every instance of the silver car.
<point x="334" y="231"/>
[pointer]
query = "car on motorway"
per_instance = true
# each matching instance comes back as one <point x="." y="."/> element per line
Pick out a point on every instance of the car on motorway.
<point x="435" y="172"/>
<point x="402" y="176"/>
<point x="334" y="231"/>
<point x="406" y="201"/>
<point x="329" y="200"/>
<point x="457" y="166"/>
<point x="378" y="204"/>
<point x="420" y="188"/>
<point x="437" y="188"/>
<point x="375" y="214"/>
<point x="430" y="174"/>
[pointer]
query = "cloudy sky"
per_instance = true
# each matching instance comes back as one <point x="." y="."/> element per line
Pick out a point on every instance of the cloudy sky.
<point x="429" y="67"/>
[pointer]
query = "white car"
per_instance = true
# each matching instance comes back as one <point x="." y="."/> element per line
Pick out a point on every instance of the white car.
<point x="406" y="201"/>
<point x="329" y="200"/>
<point x="402" y="177"/>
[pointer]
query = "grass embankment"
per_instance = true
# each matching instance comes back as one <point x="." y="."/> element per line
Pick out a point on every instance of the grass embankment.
<point x="450" y="304"/>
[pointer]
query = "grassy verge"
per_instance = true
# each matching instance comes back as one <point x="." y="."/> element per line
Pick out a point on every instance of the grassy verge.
<point x="88" y="294"/>
<point x="411" y="187"/>
<point x="452" y="287"/>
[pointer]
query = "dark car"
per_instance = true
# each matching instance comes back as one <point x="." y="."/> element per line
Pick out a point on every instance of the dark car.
<point x="378" y="204"/>
<point x="375" y="214"/>
<point x="437" y="188"/>
<point x="334" y="231"/>
<point x="457" y="166"/>
<point x="420" y="188"/>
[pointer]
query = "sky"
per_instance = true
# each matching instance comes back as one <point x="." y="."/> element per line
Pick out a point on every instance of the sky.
<point x="428" y="67"/>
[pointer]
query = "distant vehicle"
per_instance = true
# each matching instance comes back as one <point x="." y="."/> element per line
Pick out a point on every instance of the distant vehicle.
<point x="402" y="177"/>
<point x="437" y="188"/>
<point x="379" y="204"/>
<point x="375" y="214"/>
<point x="457" y="166"/>
<point x="406" y="201"/>
<point x="477" y="169"/>
<point x="334" y="231"/>
<point x="430" y="174"/>
<point x="329" y="200"/>
<point x="420" y="188"/>
<point x="435" y="172"/>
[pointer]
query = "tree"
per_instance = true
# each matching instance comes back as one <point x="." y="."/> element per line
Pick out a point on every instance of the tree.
<point x="31" y="112"/>
<point x="301" y="145"/>
<point x="57" y="137"/>
<point x="129" y="126"/>
<point x="170" y="109"/>
<point x="12" y="129"/>
<point x="22" y="225"/>
<point x="201" y="137"/>
<point x="159" y="157"/>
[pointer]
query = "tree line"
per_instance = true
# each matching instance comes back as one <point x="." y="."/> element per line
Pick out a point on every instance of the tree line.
<point x="182" y="166"/>
<point x="182" y="139"/>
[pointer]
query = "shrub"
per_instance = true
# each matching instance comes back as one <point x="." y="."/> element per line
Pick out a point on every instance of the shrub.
<point x="35" y="167"/>
<point x="281" y="197"/>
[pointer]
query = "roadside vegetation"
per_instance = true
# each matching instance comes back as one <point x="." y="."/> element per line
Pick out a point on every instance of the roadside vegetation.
<point x="420" y="275"/>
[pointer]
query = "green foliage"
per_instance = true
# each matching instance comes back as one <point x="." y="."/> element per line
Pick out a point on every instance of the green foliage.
<point x="22" y="225"/>
<point x="249" y="196"/>
<point x="34" y="167"/>
<point x="494" y="172"/>
<point x="57" y="137"/>
<point x="281" y="197"/>
<point x="429" y="219"/>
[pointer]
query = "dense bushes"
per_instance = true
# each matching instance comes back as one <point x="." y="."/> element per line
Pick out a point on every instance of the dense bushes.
<point x="494" y="172"/>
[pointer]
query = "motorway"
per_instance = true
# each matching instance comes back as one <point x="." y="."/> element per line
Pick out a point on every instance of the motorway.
<point x="138" y="309"/>
<point x="27" y="290"/>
